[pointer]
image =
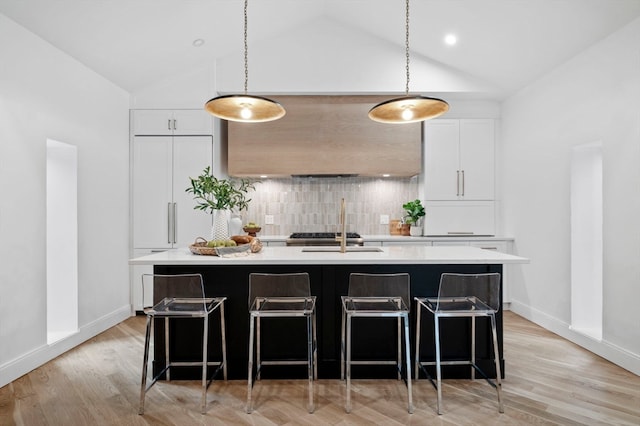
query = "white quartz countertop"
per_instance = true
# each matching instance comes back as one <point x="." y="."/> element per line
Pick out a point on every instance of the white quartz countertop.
<point x="392" y="238"/>
<point x="392" y="255"/>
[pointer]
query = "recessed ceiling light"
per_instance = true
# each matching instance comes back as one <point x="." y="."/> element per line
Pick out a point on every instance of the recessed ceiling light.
<point x="198" y="42"/>
<point x="386" y="175"/>
<point x="450" y="39"/>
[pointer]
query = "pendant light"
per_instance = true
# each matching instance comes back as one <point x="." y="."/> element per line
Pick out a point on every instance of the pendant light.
<point x="245" y="108"/>
<point x="408" y="109"/>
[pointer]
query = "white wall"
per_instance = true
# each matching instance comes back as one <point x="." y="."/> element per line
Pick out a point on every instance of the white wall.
<point x="325" y="56"/>
<point x="46" y="94"/>
<point x="593" y="97"/>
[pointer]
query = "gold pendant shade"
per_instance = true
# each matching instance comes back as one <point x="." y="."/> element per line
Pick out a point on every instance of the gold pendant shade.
<point x="408" y="109"/>
<point x="245" y="108"/>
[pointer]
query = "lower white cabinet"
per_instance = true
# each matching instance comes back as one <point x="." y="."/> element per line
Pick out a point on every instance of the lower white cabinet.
<point x="459" y="218"/>
<point x="275" y="244"/>
<point x="135" y="278"/>
<point x="407" y="242"/>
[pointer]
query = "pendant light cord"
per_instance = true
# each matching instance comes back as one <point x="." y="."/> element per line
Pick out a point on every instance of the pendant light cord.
<point x="406" y="46"/>
<point x="246" y="48"/>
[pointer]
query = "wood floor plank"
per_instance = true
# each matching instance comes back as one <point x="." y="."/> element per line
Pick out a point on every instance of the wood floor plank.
<point x="549" y="381"/>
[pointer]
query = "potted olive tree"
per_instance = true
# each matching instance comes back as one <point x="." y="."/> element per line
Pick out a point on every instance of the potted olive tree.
<point x="220" y="198"/>
<point x="415" y="213"/>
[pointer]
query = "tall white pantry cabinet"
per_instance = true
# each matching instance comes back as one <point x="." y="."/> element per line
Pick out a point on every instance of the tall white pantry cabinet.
<point x="167" y="148"/>
<point x="459" y="176"/>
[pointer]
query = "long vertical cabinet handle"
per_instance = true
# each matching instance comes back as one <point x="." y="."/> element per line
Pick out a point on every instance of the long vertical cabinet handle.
<point x="175" y="221"/>
<point x="169" y="220"/>
<point x="168" y="124"/>
<point x="175" y="124"/>
<point x="463" y="183"/>
<point x="457" y="183"/>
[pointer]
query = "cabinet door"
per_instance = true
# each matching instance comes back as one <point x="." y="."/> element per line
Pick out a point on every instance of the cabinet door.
<point x="192" y="122"/>
<point x="477" y="159"/>
<point x="406" y="243"/>
<point x="191" y="154"/>
<point x="152" y="198"/>
<point x="155" y="122"/>
<point x="459" y="218"/>
<point x="441" y="159"/>
<point x="450" y="243"/>
<point x="152" y="122"/>
<point x="136" y="272"/>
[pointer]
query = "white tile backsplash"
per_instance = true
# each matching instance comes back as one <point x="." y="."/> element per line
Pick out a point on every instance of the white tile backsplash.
<point x="305" y="204"/>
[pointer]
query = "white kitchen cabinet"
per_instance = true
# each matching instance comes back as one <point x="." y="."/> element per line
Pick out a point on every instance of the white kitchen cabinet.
<point x="451" y="243"/>
<point x="459" y="218"/>
<point x="136" y="272"/>
<point x="408" y="242"/>
<point x="276" y="243"/>
<point x="459" y="159"/>
<point x="155" y="122"/>
<point x="163" y="214"/>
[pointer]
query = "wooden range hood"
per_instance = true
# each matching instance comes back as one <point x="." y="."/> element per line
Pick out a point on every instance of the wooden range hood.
<point x="324" y="136"/>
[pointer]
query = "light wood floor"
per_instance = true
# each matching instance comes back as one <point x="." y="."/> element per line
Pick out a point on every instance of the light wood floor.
<point x="550" y="381"/>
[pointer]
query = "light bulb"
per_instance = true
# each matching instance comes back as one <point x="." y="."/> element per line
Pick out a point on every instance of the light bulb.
<point x="407" y="114"/>
<point x="245" y="113"/>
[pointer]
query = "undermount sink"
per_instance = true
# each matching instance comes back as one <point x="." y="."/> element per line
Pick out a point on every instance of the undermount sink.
<point x="350" y="249"/>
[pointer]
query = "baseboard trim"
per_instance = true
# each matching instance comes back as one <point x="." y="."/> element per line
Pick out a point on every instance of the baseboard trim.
<point x="611" y="352"/>
<point x="22" y="365"/>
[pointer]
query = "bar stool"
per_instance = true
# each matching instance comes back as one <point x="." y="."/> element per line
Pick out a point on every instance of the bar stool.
<point x="376" y="296"/>
<point x="281" y="296"/>
<point x="184" y="297"/>
<point x="462" y="295"/>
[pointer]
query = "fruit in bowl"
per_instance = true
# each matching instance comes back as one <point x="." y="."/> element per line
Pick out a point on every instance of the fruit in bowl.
<point x="252" y="228"/>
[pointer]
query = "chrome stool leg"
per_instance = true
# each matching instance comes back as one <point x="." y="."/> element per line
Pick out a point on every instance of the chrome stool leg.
<point x="223" y="336"/>
<point x="167" y="359"/>
<point x="348" y="365"/>
<point x="250" y="372"/>
<point x="438" y="366"/>
<point x="417" y="358"/>
<point x="496" y="357"/>
<point x="145" y="361"/>
<point x="205" y="339"/>
<point x="408" y="364"/>
<point x="310" y="363"/>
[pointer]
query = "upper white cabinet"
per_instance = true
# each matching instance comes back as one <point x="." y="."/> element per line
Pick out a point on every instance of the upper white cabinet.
<point x="163" y="214"/>
<point x="153" y="122"/>
<point x="459" y="159"/>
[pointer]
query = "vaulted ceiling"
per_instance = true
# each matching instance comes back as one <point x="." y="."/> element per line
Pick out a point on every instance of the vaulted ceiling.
<point x="506" y="43"/>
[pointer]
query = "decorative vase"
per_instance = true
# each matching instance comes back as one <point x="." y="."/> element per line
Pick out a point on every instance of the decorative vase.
<point x="220" y="227"/>
<point x="235" y="225"/>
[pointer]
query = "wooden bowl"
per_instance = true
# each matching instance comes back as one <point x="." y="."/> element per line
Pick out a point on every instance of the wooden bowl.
<point x="251" y="231"/>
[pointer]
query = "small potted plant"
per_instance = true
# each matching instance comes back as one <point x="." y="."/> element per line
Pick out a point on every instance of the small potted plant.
<point x="415" y="213"/>
<point x="220" y="197"/>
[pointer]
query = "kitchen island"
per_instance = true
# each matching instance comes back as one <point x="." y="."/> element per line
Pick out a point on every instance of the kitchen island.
<point x="329" y="273"/>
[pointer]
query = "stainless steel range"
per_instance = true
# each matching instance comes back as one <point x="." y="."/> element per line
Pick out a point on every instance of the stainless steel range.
<point x="323" y="239"/>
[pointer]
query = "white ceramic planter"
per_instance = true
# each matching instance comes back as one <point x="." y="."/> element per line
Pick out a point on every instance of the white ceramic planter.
<point x="415" y="231"/>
